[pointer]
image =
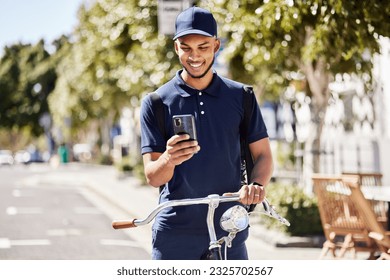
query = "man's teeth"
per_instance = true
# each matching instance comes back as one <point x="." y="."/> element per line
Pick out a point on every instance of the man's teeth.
<point x="195" y="65"/>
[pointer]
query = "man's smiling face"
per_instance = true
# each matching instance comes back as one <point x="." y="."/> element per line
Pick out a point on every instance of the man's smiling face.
<point x="196" y="54"/>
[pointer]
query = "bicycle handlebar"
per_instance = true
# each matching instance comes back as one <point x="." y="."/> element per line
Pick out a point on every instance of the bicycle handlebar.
<point x="122" y="224"/>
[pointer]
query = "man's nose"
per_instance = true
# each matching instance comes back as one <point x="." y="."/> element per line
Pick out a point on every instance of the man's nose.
<point x="194" y="55"/>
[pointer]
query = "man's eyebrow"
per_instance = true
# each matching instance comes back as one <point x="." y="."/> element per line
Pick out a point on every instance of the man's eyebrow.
<point x="201" y="44"/>
<point x="204" y="43"/>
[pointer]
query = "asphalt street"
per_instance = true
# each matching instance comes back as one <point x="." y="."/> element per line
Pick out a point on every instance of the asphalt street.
<point x="55" y="220"/>
<point x="65" y="212"/>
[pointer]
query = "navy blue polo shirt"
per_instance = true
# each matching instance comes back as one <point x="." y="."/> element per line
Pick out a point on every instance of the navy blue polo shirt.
<point x="215" y="169"/>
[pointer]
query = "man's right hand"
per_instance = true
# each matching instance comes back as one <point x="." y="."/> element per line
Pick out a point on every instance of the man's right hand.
<point x="178" y="150"/>
<point x="159" y="168"/>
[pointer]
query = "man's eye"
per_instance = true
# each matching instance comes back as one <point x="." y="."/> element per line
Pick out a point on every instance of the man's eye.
<point x="185" y="49"/>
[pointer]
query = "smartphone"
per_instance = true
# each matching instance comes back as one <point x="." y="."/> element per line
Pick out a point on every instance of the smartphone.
<point x="185" y="124"/>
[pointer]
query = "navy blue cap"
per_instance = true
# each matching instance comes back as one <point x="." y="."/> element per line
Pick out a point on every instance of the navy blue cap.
<point x="195" y="20"/>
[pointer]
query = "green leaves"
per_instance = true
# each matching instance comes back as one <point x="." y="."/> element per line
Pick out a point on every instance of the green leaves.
<point x="285" y="35"/>
<point x="118" y="55"/>
<point x="26" y="79"/>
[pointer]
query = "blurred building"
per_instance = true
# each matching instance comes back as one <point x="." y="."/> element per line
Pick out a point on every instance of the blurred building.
<point x="356" y="133"/>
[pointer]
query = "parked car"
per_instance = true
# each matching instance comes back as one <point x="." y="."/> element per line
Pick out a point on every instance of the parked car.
<point x="6" y="157"/>
<point x="28" y="156"/>
<point x="21" y="156"/>
<point x="82" y="152"/>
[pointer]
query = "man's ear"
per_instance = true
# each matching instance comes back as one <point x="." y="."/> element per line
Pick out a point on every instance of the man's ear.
<point x="217" y="45"/>
<point x="176" y="46"/>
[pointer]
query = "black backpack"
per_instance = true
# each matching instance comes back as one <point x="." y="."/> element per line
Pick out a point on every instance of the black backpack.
<point x="246" y="157"/>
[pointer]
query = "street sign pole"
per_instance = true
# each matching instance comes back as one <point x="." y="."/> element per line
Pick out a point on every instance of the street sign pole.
<point x="167" y="13"/>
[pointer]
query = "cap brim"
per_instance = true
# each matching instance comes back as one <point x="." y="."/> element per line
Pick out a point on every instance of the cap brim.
<point x="192" y="31"/>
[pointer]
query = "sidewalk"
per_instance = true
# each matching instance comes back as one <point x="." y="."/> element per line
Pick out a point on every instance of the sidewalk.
<point x="126" y="197"/>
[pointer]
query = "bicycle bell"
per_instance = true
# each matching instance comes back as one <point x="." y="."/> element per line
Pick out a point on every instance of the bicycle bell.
<point x="235" y="219"/>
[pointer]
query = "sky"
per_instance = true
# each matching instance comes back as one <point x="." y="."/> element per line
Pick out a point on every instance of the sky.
<point x="28" y="21"/>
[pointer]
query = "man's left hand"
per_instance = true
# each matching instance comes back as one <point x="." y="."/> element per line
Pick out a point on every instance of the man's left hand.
<point x="250" y="194"/>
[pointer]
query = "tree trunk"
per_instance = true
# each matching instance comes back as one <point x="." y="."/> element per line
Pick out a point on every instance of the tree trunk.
<point x="105" y="127"/>
<point x="318" y="81"/>
<point x="313" y="150"/>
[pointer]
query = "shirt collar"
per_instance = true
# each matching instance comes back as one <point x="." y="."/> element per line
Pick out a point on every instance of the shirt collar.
<point x="185" y="90"/>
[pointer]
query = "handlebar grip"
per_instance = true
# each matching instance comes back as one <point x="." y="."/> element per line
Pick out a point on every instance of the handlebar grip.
<point x="123" y="224"/>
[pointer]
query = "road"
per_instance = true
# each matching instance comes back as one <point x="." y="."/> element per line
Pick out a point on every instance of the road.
<point x="56" y="221"/>
<point x="65" y="213"/>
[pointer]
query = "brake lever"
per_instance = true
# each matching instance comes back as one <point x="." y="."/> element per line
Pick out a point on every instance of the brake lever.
<point x="270" y="211"/>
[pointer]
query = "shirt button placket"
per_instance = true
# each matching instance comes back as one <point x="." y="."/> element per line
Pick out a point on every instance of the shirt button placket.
<point x="201" y="103"/>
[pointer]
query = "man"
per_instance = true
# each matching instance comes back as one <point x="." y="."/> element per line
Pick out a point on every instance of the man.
<point x="210" y="165"/>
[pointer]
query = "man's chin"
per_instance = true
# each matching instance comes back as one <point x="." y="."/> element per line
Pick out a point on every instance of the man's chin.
<point x="197" y="75"/>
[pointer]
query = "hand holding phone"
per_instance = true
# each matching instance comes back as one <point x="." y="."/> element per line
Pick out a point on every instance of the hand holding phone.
<point x="185" y="124"/>
<point x="183" y="150"/>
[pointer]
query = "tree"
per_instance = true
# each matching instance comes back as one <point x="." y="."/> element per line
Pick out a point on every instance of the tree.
<point x="269" y="40"/>
<point x="116" y="56"/>
<point x="26" y="79"/>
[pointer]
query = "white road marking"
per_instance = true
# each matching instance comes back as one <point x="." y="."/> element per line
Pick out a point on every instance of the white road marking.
<point x="118" y="242"/>
<point x="6" y="243"/>
<point x="16" y="193"/>
<point x="23" y="210"/>
<point x="21" y="193"/>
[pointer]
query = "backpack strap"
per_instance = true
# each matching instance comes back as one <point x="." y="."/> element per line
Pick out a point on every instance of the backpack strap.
<point x="246" y="156"/>
<point x="158" y="107"/>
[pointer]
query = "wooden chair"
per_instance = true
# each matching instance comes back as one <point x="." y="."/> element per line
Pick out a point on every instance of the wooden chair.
<point x="343" y="227"/>
<point x="385" y="256"/>
<point x="376" y="230"/>
<point x="367" y="179"/>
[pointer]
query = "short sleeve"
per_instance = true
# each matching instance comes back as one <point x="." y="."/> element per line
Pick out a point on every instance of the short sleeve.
<point x="152" y="139"/>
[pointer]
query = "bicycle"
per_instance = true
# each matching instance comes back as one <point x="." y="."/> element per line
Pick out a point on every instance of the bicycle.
<point x="233" y="220"/>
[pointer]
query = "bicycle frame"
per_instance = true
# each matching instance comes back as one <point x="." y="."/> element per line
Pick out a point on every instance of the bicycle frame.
<point x="213" y="201"/>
